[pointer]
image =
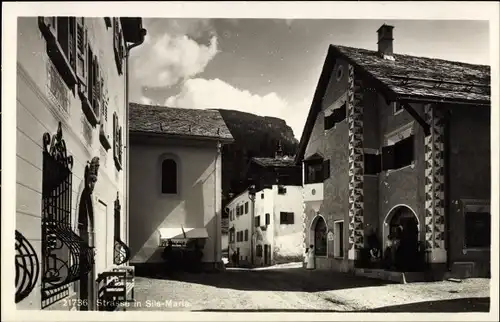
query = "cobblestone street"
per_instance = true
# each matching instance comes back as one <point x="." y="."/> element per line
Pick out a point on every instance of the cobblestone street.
<point x="295" y="289"/>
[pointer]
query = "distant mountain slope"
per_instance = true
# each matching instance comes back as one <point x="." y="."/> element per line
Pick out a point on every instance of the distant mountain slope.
<point x="255" y="136"/>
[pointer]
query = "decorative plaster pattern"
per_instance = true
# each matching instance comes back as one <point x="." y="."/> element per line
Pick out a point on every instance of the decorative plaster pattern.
<point x="356" y="164"/>
<point x="434" y="180"/>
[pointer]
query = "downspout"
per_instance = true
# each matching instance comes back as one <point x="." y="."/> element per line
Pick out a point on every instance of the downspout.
<point x="127" y="140"/>
<point x="217" y="226"/>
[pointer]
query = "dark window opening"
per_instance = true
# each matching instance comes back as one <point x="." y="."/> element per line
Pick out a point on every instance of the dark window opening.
<point x="259" y="251"/>
<point x="246" y="207"/>
<point x="281" y="190"/>
<point x="268" y="219"/>
<point x="246" y="234"/>
<point x="398" y="155"/>
<point x="337" y="116"/>
<point x="477" y="230"/>
<point x="320" y="235"/>
<point x="286" y="218"/>
<point x="257" y="221"/>
<point x="314" y="172"/>
<point x="262" y="196"/>
<point x="169" y="177"/>
<point x="373" y="163"/>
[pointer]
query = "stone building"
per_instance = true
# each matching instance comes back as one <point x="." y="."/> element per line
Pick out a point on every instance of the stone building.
<point x="398" y="141"/>
<point x="71" y="215"/>
<point x="175" y="182"/>
<point x="264" y="221"/>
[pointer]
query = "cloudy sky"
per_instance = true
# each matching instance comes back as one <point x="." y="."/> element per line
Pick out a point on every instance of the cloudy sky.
<point x="271" y="67"/>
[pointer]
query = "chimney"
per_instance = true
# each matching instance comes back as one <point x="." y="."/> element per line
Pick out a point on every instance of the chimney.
<point x="279" y="151"/>
<point x="385" y="39"/>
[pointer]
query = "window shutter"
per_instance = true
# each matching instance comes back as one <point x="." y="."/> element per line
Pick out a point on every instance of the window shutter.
<point x="120" y="146"/>
<point x="72" y="42"/>
<point x="48" y="26"/>
<point x="115" y="135"/>
<point x="117" y="44"/>
<point x="96" y="87"/>
<point x="86" y="90"/>
<point x="81" y="50"/>
<point x="268" y="219"/>
<point x="388" y="157"/>
<point x="326" y="169"/>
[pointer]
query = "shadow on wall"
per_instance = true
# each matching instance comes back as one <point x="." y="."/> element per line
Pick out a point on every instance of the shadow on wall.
<point x="149" y="209"/>
<point x="286" y="280"/>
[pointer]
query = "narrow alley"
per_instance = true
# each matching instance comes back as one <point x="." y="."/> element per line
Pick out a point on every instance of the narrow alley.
<point x="293" y="289"/>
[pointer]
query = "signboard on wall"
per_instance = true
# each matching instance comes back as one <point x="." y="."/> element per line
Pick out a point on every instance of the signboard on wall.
<point x="175" y="242"/>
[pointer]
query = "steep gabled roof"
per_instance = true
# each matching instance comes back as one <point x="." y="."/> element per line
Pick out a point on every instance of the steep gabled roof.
<point x="406" y="78"/>
<point x="183" y="122"/>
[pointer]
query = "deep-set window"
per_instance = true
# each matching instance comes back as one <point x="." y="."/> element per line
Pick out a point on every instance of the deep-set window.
<point x="246" y="234"/>
<point x="281" y="190"/>
<point x="169" y="176"/>
<point x="337" y="116"/>
<point x="313" y="171"/>
<point x="339" y="239"/>
<point x="258" y="251"/>
<point x="268" y="219"/>
<point x="246" y="207"/>
<point x="320" y="234"/>
<point x="398" y="155"/>
<point x="477" y="229"/>
<point x="262" y="196"/>
<point x="257" y="221"/>
<point x="373" y="163"/>
<point x="286" y="218"/>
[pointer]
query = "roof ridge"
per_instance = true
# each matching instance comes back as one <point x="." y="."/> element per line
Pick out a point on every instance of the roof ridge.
<point x="415" y="56"/>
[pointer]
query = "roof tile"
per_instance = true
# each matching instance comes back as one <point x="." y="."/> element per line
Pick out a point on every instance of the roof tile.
<point x="423" y="77"/>
<point x="177" y="121"/>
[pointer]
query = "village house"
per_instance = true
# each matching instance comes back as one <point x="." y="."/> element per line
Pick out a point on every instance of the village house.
<point x="264" y="220"/>
<point x="398" y="141"/>
<point x="71" y="215"/>
<point x="175" y="182"/>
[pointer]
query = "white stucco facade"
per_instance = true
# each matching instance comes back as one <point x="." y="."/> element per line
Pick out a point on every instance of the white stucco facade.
<point x="283" y="240"/>
<point x="197" y="203"/>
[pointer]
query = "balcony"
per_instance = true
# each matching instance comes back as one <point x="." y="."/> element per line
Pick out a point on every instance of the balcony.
<point x="313" y="192"/>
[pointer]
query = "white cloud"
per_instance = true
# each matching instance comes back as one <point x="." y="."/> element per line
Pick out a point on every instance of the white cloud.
<point x="214" y="93"/>
<point x="145" y="100"/>
<point x="167" y="60"/>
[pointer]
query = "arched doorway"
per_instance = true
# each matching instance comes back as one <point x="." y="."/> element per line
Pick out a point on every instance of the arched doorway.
<point x="318" y="236"/>
<point x="402" y="224"/>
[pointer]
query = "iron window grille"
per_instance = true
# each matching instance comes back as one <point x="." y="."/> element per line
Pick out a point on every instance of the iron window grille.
<point x="27" y="267"/>
<point x="65" y="256"/>
<point x="121" y="252"/>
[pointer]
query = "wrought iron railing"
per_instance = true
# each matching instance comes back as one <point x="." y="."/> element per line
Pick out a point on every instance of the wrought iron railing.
<point x="121" y="253"/>
<point x="66" y="257"/>
<point x="27" y="267"/>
